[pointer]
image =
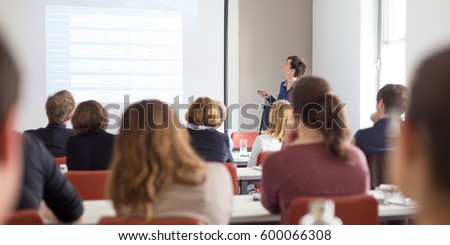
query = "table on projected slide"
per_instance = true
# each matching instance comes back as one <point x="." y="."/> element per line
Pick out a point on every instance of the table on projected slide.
<point x="240" y="161"/>
<point x="247" y="176"/>
<point x="245" y="211"/>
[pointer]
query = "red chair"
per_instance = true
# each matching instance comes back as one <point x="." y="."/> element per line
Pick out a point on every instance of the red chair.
<point x="262" y="156"/>
<point x="117" y="220"/>
<point x="25" y="217"/>
<point x="377" y="169"/>
<point x="232" y="169"/>
<point x="249" y="136"/>
<point x="352" y="210"/>
<point x="259" y="162"/>
<point x="91" y="185"/>
<point x="60" y="160"/>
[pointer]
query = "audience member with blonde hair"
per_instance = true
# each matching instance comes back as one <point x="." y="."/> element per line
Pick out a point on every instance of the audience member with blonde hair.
<point x="203" y="118"/>
<point x="156" y="173"/>
<point x="421" y="162"/>
<point x="91" y="147"/>
<point x="317" y="160"/>
<point x="59" y="109"/>
<point x="271" y="139"/>
<point x="10" y="142"/>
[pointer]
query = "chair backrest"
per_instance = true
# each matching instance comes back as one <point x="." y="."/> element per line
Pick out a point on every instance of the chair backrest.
<point x="91" y="185"/>
<point x="232" y="169"/>
<point x="60" y="160"/>
<point x="117" y="220"/>
<point x="377" y="169"/>
<point x="259" y="162"/>
<point x="250" y="136"/>
<point x="262" y="156"/>
<point x="352" y="210"/>
<point x="25" y="217"/>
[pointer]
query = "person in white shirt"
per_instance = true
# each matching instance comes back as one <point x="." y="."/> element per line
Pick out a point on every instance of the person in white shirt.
<point x="271" y="139"/>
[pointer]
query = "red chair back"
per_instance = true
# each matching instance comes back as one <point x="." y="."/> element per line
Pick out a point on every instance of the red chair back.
<point x="91" y="185"/>
<point x="233" y="173"/>
<point x="262" y="156"/>
<point x="250" y="136"/>
<point x="377" y="169"/>
<point x="352" y="210"/>
<point x="117" y="220"/>
<point x="60" y="160"/>
<point x="25" y="217"/>
<point x="259" y="162"/>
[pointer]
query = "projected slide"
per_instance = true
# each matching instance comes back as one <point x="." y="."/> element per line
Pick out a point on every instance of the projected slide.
<point x="107" y="53"/>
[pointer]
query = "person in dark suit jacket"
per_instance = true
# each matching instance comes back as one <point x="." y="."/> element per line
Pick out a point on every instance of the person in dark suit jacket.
<point x="203" y="117"/>
<point x="91" y="147"/>
<point x="293" y="69"/>
<point x="42" y="181"/>
<point x="392" y="102"/>
<point x="59" y="108"/>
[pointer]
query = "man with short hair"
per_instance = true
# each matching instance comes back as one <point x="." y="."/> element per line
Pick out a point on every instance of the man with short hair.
<point x="392" y="101"/>
<point x="10" y="143"/>
<point x="59" y="109"/>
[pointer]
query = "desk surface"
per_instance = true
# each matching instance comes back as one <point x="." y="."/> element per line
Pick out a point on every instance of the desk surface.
<point x="248" y="174"/>
<point x="245" y="211"/>
<point x="240" y="161"/>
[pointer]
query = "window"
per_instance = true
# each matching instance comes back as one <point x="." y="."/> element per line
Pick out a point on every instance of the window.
<point x="392" y="42"/>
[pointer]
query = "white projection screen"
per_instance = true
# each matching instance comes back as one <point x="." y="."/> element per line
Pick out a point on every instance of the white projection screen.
<point x="119" y="51"/>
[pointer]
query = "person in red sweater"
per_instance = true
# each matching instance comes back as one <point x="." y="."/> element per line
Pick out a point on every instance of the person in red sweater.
<point x="317" y="159"/>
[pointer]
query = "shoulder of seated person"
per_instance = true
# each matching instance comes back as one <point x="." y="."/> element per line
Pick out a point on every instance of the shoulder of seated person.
<point x="217" y="169"/>
<point x="214" y="166"/>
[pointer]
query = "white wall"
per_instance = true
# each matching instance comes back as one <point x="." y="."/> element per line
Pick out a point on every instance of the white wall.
<point x="269" y="32"/>
<point x="345" y="35"/>
<point x="336" y="50"/>
<point x="427" y="30"/>
<point x="369" y="56"/>
<point x="14" y="28"/>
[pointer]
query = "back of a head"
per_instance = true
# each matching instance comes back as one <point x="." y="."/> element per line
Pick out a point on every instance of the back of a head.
<point x="151" y="152"/>
<point x="59" y="106"/>
<point x="223" y="110"/>
<point x="89" y="115"/>
<point x="205" y="111"/>
<point x="395" y="98"/>
<point x="280" y="118"/>
<point x="429" y="117"/>
<point x="298" y="64"/>
<point x="317" y="108"/>
<point x="10" y="145"/>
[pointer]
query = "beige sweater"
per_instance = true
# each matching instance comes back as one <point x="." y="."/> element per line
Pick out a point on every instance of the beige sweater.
<point x="210" y="202"/>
